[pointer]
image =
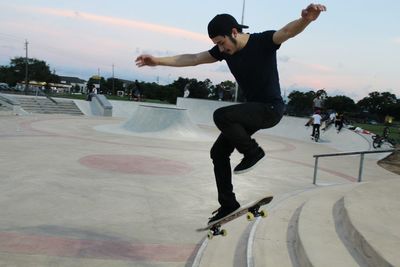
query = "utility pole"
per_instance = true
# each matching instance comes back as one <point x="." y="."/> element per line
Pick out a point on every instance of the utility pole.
<point x="26" y="67"/>
<point x="244" y="2"/>
<point x="113" y="78"/>
<point x="242" y="21"/>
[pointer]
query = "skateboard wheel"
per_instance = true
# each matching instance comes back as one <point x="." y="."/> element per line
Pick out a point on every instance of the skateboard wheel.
<point x="224" y="232"/>
<point x="263" y="213"/>
<point x="250" y="216"/>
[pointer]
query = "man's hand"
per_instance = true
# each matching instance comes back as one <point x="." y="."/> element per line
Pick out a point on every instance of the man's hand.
<point x="145" y="60"/>
<point x="312" y="12"/>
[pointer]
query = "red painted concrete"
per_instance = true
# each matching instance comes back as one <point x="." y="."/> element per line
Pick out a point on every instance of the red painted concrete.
<point x="93" y="249"/>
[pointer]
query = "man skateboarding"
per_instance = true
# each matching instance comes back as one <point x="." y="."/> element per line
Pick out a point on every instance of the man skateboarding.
<point x="252" y="60"/>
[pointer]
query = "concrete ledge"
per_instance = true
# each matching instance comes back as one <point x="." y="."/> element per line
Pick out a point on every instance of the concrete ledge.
<point x="101" y="105"/>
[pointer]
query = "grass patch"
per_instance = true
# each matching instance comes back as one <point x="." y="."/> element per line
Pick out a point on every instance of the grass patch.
<point x="394" y="130"/>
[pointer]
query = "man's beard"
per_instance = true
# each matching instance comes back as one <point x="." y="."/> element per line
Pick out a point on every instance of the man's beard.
<point x="234" y="41"/>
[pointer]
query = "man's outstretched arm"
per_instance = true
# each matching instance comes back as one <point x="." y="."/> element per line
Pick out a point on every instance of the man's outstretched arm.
<point x="295" y="27"/>
<point x="183" y="60"/>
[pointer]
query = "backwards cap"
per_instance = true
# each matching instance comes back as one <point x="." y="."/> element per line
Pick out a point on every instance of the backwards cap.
<point x="222" y="24"/>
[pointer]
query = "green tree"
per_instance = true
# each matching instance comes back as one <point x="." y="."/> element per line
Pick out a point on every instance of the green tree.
<point x="300" y="103"/>
<point x="113" y="85"/>
<point x="380" y="104"/>
<point x="199" y="89"/>
<point x="38" y="71"/>
<point x="99" y="82"/>
<point x="224" y="90"/>
<point x="322" y="93"/>
<point x="181" y="83"/>
<point x="340" y="104"/>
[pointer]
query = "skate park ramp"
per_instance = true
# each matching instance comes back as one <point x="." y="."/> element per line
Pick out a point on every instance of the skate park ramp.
<point x="185" y="120"/>
<point x="158" y="122"/>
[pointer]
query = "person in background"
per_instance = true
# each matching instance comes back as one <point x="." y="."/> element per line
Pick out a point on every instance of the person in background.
<point x="339" y="121"/>
<point x="316" y="123"/>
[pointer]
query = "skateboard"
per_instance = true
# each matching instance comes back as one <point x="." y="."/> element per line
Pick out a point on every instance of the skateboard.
<point x="252" y="210"/>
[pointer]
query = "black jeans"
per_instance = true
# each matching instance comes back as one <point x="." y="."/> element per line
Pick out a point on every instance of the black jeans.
<point x="315" y="129"/>
<point x="237" y="124"/>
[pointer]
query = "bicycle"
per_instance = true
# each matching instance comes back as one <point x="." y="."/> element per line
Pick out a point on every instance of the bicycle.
<point x="378" y="141"/>
<point x="316" y="136"/>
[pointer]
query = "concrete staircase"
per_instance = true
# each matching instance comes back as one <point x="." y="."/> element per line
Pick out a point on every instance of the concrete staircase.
<point x="340" y="225"/>
<point x="4" y="108"/>
<point x="46" y="106"/>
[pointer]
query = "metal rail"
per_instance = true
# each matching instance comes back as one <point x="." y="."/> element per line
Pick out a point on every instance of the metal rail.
<point x="362" y="153"/>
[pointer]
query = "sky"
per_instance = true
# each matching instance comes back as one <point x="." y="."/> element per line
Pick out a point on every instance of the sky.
<point x="352" y="49"/>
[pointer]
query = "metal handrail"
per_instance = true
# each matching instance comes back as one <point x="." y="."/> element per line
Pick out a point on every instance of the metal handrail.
<point x="362" y="153"/>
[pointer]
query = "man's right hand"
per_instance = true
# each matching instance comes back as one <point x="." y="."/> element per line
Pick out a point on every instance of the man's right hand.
<point x="145" y="60"/>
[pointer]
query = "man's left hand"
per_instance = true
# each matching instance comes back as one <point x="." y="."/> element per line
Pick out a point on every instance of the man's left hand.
<point x="312" y="12"/>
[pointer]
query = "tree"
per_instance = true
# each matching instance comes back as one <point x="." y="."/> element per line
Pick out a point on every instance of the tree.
<point x="38" y="71"/>
<point x="380" y="104"/>
<point x="340" y="104"/>
<point x="181" y="83"/>
<point x="300" y="103"/>
<point x="100" y="84"/>
<point x="113" y="85"/>
<point x="224" y="91"/>
<point x="198" y="89"/>
<point x="322" y="93"/>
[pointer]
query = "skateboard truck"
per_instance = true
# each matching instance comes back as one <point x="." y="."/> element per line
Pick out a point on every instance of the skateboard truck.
<point x="216" y="230"/>
<point x="254" y="212"/>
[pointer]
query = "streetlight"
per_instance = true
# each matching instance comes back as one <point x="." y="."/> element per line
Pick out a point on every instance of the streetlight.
<point x="244" y="2"/>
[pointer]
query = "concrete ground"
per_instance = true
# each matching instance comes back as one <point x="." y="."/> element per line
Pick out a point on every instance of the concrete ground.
<point x="72" y="195"/>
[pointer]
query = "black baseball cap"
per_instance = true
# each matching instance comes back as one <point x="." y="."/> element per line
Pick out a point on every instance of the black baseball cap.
<point x="222" y="24"/>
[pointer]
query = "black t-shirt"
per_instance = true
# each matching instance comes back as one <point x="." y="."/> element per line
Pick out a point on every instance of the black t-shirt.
<point x="254" y="68"/>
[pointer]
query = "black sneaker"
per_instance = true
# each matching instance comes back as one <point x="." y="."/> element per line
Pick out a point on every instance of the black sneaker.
<point x="249" y="162"/>
<point x="222" y="212"/>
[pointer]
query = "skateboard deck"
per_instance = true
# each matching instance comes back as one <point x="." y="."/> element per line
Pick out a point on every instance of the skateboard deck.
<point x="252" y="210"/>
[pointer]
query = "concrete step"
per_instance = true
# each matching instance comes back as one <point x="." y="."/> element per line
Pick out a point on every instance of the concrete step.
<point x="353" y="224"/>
<point x="342" y="225"/>
<point x="275" y="238"/>
<point x="4" y="108"/>
<point x="229" y="250"/>
<point x="371" y="221"/>
<point x="269" y="235"/>
<point x="295" y="226"/>
<point x="45" y="106"/>
<point x="318" y="241"/>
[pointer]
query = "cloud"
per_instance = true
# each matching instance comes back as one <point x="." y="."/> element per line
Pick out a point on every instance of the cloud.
<point x="122" y="23"/>
<point x="397" y="40"/>
<point x="283" y="58"/>
<point x="222" y="68"/>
